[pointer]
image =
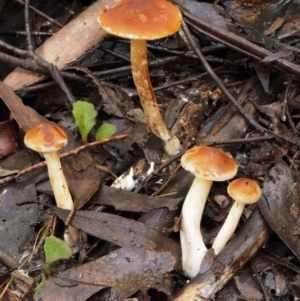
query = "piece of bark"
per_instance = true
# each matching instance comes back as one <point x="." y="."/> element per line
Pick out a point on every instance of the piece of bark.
<point x="124" y="200"/>
<point x="25" y="116"/>
<point x="236" y="253"/>
<point x="130" y="201"/>
<point x="70" y="43"/>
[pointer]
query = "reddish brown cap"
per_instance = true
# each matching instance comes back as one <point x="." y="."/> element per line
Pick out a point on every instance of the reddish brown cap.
<point x="46" y="138"/>
<point x="209" y="163"/>
<point x="141" y="19"/>
<point x="244" y="190"/>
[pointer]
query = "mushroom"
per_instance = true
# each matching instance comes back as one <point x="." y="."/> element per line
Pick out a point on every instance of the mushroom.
<point x="208" y="164"/>
<point x="48" y="138"/>
<point x="243" y="191"/>
<point x="141" y="21"/>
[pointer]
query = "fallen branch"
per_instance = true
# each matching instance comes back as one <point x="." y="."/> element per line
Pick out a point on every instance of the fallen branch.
<point x="71" y="42"/>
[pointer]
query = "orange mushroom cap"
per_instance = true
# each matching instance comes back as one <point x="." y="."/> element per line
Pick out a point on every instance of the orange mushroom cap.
<point x="244" y="190"/>
<point x="209" y="163"/>
<point x="141" y="19"/>
<point x="46" y="138"/>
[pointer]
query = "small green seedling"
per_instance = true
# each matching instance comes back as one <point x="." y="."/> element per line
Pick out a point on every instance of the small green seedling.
<point x="55" y="249"/>
<point x="39" y="287"/>
<point x="85" y="117"/>
<point x="105" y="130"/>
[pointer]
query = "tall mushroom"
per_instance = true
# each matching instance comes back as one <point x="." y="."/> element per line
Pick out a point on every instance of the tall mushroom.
<point x="208" y="164"/>
<point x="243" y="191"/>
<point x="47" y="139"/>
<point x="141" y="21"/>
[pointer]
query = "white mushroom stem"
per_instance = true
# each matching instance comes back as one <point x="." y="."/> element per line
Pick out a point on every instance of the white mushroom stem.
<point x="61" y="193"/>
<point x="228" y="227"/>
<point x="192" y="245"/>
<point x="58" y="182"/>
<point x="140" y="74"/>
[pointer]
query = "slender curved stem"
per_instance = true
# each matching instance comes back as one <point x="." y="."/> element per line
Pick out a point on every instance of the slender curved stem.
<point x="62" y="195"/>
<point x="140" y="73"/>
<point x="228" y="227"/>
<point x="58" y="182"/>
<point x="192" y="245"/>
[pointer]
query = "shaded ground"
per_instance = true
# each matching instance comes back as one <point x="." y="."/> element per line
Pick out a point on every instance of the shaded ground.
<point x="247" y="103"/>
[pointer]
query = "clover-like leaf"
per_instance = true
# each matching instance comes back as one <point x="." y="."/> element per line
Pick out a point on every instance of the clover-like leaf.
<point x="85" y="117"/>
<point x="105" y="130"/>
<point x="56" y="249"/>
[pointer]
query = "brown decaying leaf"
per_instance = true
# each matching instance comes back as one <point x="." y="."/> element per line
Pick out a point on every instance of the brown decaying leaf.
<point x="8" y="132"/>
<point x="188" y="122"/>
<point x="83" y="177"/>
<point x="121" y="231"/>
<point x="137" y="135"/>
<point x="268" y="153"/>
<point x="248" y="291"/>
<point x="16" y="221"/>
<point x="281" y="193"/>
<point x="126" y="270"/>
<point x="262" y="157"/>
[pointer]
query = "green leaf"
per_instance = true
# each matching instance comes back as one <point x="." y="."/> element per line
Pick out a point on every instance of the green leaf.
<point x="105" y="130"/>
<point x="56" y="249"/>
<point x="39" y="287"/>
<point x="85" y="117"/>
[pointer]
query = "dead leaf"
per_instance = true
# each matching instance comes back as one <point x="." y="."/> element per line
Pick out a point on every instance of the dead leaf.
<point x="126" y="270"/>
<point x="280" y="193"/>
<point x="137" y="135"/>
<point x="267" y="153"/>
<point x="83" y="177"/>
<point x="188" y="122"/>
<point x="248" y="291"/>
<point x="5" y="172"/>
<point x="16" y="221"/>
<point x="8" y="141"/>
<point x="121" y="231"/>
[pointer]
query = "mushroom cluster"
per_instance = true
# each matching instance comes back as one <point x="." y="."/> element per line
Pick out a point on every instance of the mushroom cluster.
<point x="140" y="21"/>
<point x="210" y="164"/>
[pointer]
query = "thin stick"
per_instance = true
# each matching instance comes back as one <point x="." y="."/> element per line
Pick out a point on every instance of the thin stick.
<point x="40" y="13"/>
<point x="73" y="152"/>
<point x="214" y="76"/>
<point x="54" y="72"/>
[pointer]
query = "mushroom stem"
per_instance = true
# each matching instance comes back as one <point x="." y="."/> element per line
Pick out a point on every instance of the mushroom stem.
<point x="58" y="182"/>
<point x="62" y="195"/>
<point x="228" y="227"/>
<point x="192" y="245"/>
<point x="141" y="78"/>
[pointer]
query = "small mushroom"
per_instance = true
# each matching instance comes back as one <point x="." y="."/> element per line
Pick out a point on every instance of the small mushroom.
<point x="208" y="164"/>
<point x="141" y="21"/>
<point x="243" y="191"/>
<point x="47" y="139"/>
